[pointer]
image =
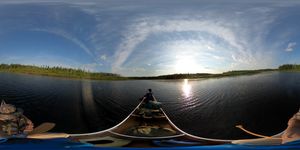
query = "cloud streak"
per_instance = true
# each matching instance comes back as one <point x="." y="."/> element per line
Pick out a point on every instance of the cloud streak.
<point x="67" y="36"/>
<point x="126" y="36"/>
<point x="290" y="47"/>
<point x="142" y="28"/>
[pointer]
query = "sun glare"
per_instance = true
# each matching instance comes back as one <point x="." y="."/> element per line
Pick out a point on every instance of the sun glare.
<point x="185" y="65"/>
<point x="186" y="88"/>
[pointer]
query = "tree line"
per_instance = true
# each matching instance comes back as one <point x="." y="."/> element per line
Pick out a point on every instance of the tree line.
<point x="289" y="67"/>
<point x="80" y="73"/>
<point x="57" y="71"/>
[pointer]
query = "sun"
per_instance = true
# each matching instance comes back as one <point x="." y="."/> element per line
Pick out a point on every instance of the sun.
<point x="185" y="65"/>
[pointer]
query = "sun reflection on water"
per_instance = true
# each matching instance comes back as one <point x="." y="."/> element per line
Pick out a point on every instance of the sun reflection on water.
<point x="186" y="88"/>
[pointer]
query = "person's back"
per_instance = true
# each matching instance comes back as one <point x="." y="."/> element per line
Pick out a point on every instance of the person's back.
<point x="148" y="99"/>
<point x="148" y="96"/>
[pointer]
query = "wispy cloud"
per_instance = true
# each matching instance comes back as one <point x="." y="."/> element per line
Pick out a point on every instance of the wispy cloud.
<point x="290" y="47"/>
<point x="103" y="57"/>
<point x="67" y="36"/>
<point x="138" y="37"/>
<point x="238" y="45"/>
<point x="138" y="33"/>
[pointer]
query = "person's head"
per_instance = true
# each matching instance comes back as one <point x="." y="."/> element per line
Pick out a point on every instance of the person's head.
<point x="150" y="90"/>
<point x="7" y="108"/>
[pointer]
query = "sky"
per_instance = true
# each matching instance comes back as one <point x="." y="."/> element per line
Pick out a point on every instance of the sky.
<point x="150" y="37"/>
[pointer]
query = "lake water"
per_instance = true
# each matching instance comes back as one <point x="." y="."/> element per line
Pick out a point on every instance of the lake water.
<point x="262" y="103"/>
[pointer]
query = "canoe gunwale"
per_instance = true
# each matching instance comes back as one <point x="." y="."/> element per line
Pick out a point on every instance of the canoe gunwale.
<point x="190" y="135"/>
<point x="109" y="129"/>
<point x="182" y="133"/>
<point x="193" y="136"/>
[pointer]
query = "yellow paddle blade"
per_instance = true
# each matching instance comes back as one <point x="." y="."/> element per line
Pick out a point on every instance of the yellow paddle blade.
<point x="44" y="127"/>
<point x="48" y="135"/>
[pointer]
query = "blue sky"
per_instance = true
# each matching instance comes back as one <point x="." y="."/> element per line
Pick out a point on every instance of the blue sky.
<point x="142" y="37"/>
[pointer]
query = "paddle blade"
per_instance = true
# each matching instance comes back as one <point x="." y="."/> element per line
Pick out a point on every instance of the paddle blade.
<point x="48" y="135"/>
<point x="44" y="127"/>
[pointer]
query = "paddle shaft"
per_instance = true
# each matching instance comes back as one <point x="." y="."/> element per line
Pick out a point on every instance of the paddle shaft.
<point x="255" y="134"/>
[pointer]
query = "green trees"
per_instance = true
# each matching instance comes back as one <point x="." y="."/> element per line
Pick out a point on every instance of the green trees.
<point x="82" y="74"/>
<point x="289" y="67"/>
<point x="58" y="71"/>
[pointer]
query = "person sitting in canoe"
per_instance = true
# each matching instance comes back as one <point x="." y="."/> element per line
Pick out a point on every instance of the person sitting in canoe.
<point x="292" y="133"/>
<point x="149" y="100"/>
<point x="13" y="122"/>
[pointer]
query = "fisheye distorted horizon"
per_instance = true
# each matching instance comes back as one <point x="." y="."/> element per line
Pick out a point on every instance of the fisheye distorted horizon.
<point x="146" y="38"/>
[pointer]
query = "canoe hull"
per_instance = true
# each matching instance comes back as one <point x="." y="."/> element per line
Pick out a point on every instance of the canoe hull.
<point x="140" y="131"/>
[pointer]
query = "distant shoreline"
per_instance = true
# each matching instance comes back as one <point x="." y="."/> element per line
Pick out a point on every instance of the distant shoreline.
<point x="59" y="72"/>
<point x="81" y="74"/>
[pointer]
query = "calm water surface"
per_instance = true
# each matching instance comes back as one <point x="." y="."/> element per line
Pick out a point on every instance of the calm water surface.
<point x="211" y="108"/>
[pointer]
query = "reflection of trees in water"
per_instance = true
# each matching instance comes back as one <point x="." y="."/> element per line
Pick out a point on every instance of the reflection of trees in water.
<point x="89" y="106"/>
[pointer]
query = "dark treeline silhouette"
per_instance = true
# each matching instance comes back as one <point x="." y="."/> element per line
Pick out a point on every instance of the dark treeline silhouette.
<point x="177" y="76"/>
<point x="79" y="73"/>
<point x="290" y="67"/>
<point x="185" y="76"/>
<point x="205" y="75"/>
<point x="58" y="71"/>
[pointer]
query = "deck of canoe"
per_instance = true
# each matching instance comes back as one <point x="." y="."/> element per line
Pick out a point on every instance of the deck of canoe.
<point x="140" y="130"/>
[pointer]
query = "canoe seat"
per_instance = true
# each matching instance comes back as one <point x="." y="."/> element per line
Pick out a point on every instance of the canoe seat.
<point x="158" y="117"/>
<point x="148" y="113"/>
<point x="150" y="131"/>
<point x="155" y="110"/>
<point x="148" y="110"/>
<point x="149" y="117"/>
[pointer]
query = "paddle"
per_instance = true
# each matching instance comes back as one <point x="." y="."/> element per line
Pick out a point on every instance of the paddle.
<point x="255" y="134"/>
<point x="40" y="132"/>
<point x="42" y="128"/>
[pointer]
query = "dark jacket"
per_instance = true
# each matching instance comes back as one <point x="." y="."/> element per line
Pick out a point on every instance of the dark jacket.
<point x="148" y="97"/>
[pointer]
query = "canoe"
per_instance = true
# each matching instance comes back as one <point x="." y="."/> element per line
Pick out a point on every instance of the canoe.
<point x="137" y="131"/>
<point x="141" y="130"/>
